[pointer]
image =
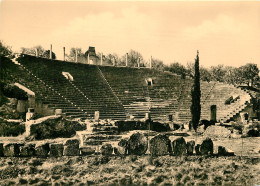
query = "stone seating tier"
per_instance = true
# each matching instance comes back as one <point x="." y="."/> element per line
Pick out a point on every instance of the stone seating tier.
<point x="119" y="91"/>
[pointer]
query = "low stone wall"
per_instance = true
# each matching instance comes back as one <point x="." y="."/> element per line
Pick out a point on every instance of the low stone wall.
<point x="137" y="144"/>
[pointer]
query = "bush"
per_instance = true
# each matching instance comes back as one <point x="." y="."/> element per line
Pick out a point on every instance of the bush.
<point x="56" y="128"/>
<point x="13" y="91"/>
<point x="11" y="129"/>
<point x="138" y="125"/>
<point x="3" y="99"/>
<point x="256" y="124"/>
<point x="238" y="126"/>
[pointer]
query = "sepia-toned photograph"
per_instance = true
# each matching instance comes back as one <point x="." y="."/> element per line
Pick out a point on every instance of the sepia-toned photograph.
<point x="124" y="93"/>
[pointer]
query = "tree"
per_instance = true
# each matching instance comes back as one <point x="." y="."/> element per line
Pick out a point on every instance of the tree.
<point x="72" y="55"/>
<point x="121" y="61"/>
<point x="218" y="73"/>
<point x="158" y="64"/>
<point x="205" y="74"/>
<point x="133" y="57"/>
<point x="46" y="54"/>
<point x="190" y="69"/>
<point x="177" y="68"/>
<point x="109" y="59"/>
<point x="250" y="73"/>
<point x="195" y="94"/>
<point x="5" y="50"/>
<point x="32" y="51"/>
<point x="233" y="75"/>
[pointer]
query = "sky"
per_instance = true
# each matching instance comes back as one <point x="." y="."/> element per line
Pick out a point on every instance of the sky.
<point x="224" y="32"/>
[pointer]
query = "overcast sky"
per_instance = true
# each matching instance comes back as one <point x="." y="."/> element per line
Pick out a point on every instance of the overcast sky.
<point x="224" y="32"/>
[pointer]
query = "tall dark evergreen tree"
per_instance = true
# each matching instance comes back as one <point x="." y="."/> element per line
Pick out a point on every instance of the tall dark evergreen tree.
<point x="195" y="94"/>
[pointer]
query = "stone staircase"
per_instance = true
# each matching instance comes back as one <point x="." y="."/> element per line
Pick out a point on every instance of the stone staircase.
<point x="98" y="134"/>
<point x="218" y="94"/>
<point x="235" y="108"/>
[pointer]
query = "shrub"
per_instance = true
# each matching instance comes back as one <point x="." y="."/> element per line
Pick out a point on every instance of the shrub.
<point x="256" y="125"/>
<point x="138" y="125"/>
<point x="10" y="128"/>
<point x="13" y="91"/>
<point x="238" y="126"/>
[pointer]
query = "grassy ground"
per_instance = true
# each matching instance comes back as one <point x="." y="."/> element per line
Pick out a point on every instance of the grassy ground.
<point x="130" y="170"/>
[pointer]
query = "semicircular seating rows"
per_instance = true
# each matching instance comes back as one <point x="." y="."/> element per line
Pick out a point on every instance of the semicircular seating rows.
<point x="118" y="92"/>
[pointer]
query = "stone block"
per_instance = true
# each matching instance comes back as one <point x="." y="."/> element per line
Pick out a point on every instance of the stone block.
<point x="96" y="115"/>
<point x="206" y="147"/>
<point x="179" y="147"/>
<point x="72" y="142"/>
<point x="121" y="149"/>
<point x="58" y="111"/>
<point x="137" y="144"/>
<point x="222" y="151"/>
<point x="1" y="149"/>
<point x="11" y="150"/>
<point x="27" y="150"/>
<point x="87" y="151"/>
<point x="190" y="147"/>
<point x="56" y="149"/>
<point x="106" y="149"/>
<point x="253" y="133"/>
<point x="197" y="149"/>
<point x="160" y="145"/>
<point x="42" y="150"/>
<point x="71" y="148"/>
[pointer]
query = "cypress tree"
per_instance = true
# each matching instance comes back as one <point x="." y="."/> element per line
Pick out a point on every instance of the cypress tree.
<point x="195" y="95"/>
